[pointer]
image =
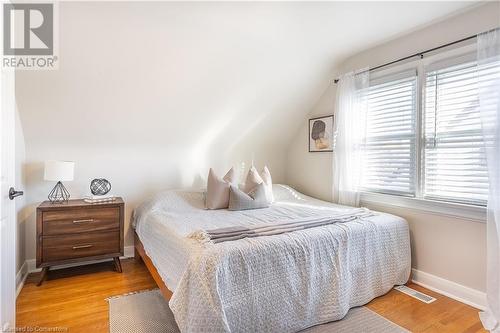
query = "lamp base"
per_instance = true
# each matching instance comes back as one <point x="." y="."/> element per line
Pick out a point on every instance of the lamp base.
<point x="59" y="194"/>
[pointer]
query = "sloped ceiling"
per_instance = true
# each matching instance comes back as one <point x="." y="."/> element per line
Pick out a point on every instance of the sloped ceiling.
<point x="206" y="78"/>
<point x="157" y="73"/>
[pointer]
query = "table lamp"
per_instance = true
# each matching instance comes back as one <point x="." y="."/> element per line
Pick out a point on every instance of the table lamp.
<point x="59" y="171"/>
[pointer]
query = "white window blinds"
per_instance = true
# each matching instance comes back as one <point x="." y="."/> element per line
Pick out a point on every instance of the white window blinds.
<point x="454" y="158"/>
<point x="389" y="160"/>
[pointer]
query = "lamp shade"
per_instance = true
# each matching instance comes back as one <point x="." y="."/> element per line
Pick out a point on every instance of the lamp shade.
<point x="59" y="170"/>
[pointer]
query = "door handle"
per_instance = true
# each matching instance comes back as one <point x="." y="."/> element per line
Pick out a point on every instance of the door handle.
<point x="13" y="193"/>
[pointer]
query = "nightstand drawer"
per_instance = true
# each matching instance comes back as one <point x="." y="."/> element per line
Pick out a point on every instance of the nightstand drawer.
<point x="80" y="245"/>
<point x="73" y="221"/>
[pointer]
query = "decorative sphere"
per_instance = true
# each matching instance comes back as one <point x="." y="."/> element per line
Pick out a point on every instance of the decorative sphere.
<point x="100" y="186"/>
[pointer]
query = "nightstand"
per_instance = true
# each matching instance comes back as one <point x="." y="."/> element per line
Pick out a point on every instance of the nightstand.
<point x="76" y="231"/>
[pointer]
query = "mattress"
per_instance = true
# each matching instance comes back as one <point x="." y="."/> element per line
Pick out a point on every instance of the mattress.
<point x="278" y="283"/>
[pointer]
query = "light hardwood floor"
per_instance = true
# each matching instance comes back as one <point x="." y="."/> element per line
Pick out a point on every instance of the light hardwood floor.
<point x="75" y="298"/>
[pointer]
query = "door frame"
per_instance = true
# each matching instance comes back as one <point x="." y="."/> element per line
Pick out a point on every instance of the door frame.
<point x="8" y="220"/>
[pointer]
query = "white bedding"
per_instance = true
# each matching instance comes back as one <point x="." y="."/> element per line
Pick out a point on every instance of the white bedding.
<point x="279" y="283"/>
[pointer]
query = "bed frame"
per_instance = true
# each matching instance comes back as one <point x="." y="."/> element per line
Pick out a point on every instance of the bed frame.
<point x="140" y="254"/>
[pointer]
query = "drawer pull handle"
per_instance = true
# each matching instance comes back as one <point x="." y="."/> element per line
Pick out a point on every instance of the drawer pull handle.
<point x="82" y="246"/>
<point x="83" y="221"/>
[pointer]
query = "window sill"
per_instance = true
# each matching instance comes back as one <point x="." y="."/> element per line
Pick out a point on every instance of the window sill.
<point x="461" y="211"/>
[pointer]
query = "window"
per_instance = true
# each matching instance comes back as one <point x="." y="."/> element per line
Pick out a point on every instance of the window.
<point x="454" y="158"/>
<point x="389" y="152"/>
<point x="430" y="147"/>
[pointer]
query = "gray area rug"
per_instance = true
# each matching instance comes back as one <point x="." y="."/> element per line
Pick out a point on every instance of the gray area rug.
<point x="148" y="312"/>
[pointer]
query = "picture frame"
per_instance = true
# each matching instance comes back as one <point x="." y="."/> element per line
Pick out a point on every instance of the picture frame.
<point x="321" y="134"/>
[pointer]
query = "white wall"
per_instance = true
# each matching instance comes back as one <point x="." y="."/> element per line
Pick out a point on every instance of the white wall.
<point x="449" y="248"/>
<point x="312" y="173"/>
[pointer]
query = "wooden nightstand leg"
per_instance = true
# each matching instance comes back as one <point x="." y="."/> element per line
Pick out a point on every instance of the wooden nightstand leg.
<point x="118" y="264"/>
<point x="43" y="274"/>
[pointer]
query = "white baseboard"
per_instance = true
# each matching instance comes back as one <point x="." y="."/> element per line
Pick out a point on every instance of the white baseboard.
<point x="450" y="289"/>
<point x="128" y="251"/>
<point x="21" y="276"/>
<point x="29" y="266"/>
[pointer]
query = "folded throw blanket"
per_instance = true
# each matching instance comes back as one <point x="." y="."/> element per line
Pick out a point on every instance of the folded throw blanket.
<point x="239" y="232"/>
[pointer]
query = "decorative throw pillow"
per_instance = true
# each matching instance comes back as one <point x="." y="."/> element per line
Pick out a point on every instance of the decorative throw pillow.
<point x="253" y="179"/>
<point x="218" y="189"/>
<point x="239" y="200"/>
<point x="268" y="182"/>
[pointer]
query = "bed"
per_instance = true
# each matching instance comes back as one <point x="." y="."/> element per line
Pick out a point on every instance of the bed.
<point x="278" y="283"/>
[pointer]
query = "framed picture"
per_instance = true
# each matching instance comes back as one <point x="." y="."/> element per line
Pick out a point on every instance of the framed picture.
<point x="321" y="134"/>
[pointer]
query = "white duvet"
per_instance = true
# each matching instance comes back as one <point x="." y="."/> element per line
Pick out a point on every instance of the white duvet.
<point x="279" y="283"/>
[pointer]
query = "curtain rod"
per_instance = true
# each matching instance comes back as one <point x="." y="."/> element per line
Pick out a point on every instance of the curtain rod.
<point x="419" y="54"/>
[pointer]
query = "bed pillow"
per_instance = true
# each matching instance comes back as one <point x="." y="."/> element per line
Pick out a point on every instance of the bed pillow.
<point x="268" y="183"/>
<point x="253" y="179"/>
<point x="217" y="196"/>
<point x="239" y="200"/>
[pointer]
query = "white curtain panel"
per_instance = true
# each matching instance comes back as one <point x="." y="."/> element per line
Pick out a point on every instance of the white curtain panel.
<point x="488" y="56"/>
<point x="350" y="131"/>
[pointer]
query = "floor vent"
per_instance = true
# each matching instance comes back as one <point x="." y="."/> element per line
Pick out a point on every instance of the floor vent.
<point x="416" y="294"/>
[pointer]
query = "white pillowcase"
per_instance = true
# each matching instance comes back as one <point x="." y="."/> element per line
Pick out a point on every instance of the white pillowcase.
<point x="268" y="183"/>
<point x="218" y="189"/>
<point x="253" y="179"/>
<point x="239" y="200"/>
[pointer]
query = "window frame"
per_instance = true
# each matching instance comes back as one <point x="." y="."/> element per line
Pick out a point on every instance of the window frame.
<point x="418" y="202"/>
<point x="395" y="74"/>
